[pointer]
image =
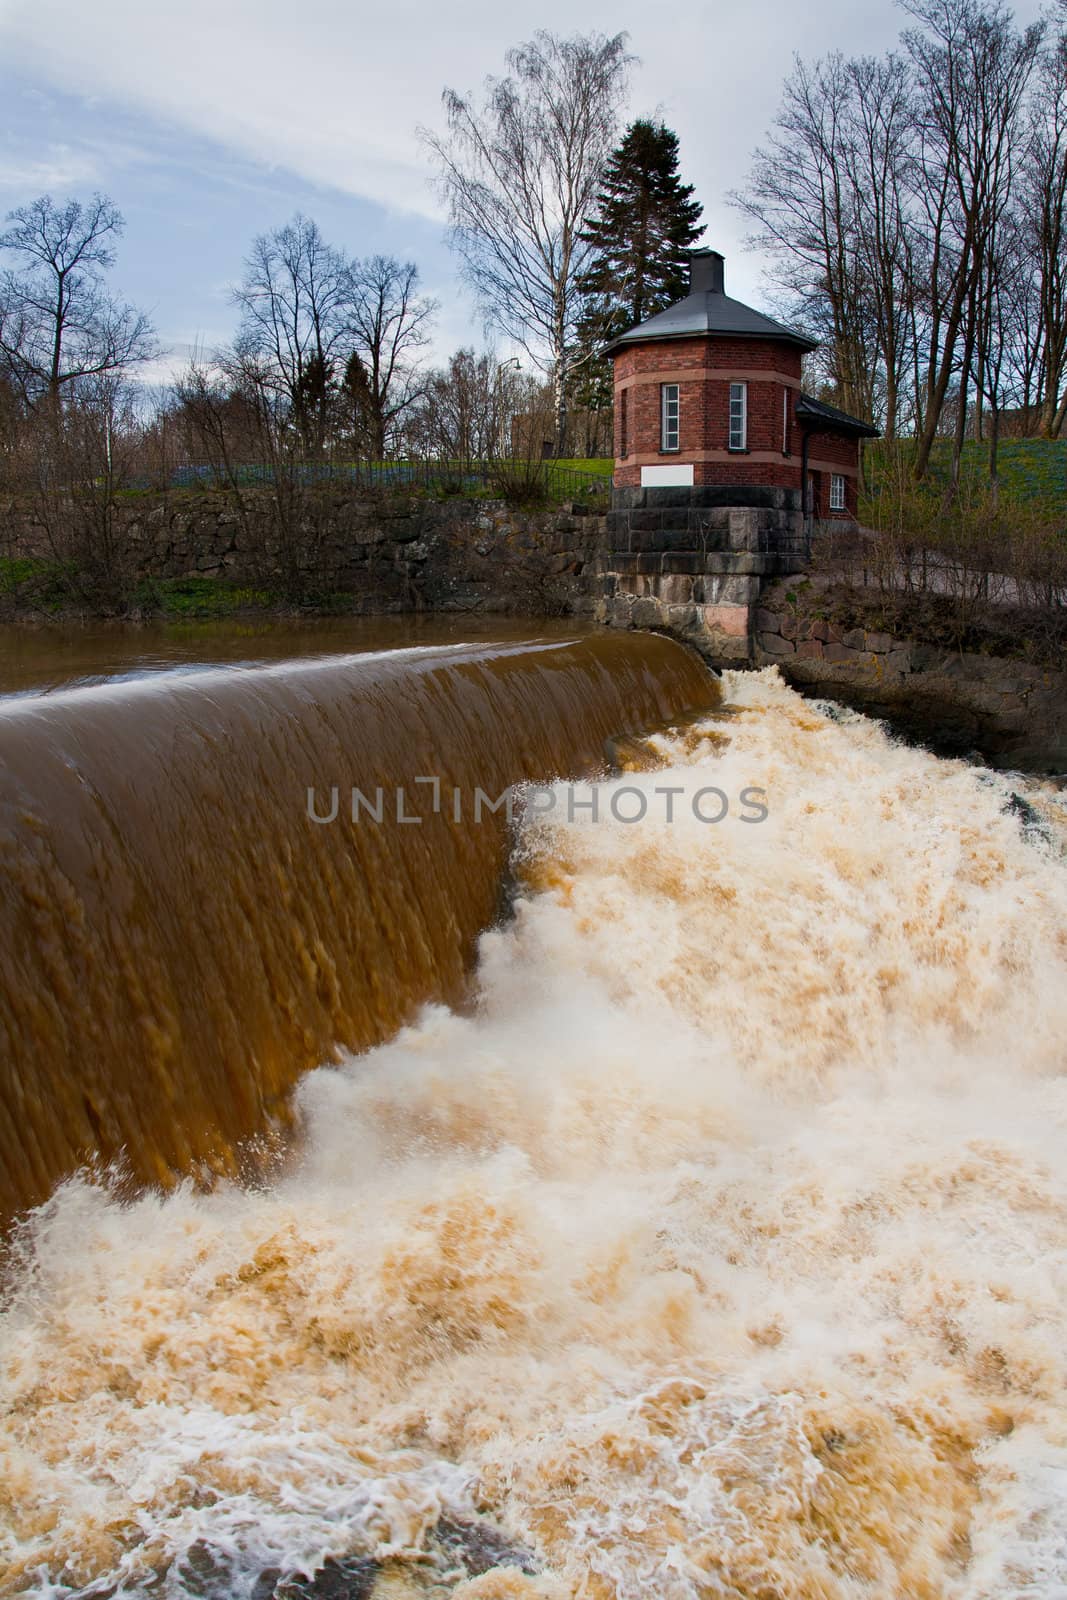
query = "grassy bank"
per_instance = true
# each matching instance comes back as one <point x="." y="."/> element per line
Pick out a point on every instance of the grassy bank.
<point x="47" y="591"/>
<point x="1032" y="473"/>
<point x="982" y="570"/>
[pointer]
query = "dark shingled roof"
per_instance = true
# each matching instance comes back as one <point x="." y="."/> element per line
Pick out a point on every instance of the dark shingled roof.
<point x="700" y="314"/>
<point x="811" y="410"/>
<point x="708" y="309"/>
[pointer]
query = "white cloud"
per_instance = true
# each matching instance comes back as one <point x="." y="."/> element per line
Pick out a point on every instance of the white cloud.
<point x="333" y="90"/>
<point x="318" y="95"/>
<point x="59" y="167"/>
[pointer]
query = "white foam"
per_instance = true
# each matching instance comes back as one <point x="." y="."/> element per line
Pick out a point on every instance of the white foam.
<point x="719" y="1250"/>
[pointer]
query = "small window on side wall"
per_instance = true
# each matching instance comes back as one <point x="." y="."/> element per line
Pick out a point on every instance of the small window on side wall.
<point x="837" y="492"/>
<point x="669" y="408"/>
<point x="739" y="416"/>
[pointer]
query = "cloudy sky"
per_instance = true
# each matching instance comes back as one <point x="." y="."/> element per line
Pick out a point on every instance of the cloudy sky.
<point x="209" y="121"/>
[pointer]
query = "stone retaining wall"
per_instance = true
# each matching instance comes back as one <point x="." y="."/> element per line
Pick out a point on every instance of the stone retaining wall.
<point x="1011" y="712"/>
<point x="381" y="552"/>
<point x="714" y="582"/>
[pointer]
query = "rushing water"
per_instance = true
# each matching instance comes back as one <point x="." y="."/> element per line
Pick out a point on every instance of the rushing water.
<point x="717" y="1250"/>
<point x="180" y="940"/>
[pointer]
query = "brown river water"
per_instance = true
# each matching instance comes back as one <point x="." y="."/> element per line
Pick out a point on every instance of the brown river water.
<point x="660" y="1194"/>
<point x="41" y="660"/>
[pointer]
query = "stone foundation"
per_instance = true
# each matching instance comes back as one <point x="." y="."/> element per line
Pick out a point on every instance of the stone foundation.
<point x="693" y="561"/>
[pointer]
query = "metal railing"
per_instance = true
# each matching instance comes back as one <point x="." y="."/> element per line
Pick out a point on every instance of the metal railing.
<point x="451" y="477"/>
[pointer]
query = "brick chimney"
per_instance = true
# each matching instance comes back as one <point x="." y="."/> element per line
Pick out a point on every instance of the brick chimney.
<point x="707" y="272"/>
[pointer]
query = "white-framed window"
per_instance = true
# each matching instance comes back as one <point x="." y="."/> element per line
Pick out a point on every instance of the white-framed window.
<point x="669" y="409"/>
<point x="837" y="492"/>
<point x="739" y="416"/>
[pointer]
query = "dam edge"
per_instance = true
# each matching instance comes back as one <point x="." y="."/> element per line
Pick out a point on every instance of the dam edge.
<point x="727" y="571"/>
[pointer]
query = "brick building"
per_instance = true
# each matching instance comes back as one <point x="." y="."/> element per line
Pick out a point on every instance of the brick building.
<point x="708" y="397"/>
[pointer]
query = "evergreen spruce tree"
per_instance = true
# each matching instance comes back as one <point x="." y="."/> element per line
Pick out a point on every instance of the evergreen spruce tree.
<point x="646" y="222"/>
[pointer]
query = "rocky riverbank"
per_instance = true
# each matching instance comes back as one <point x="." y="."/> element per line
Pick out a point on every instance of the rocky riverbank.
<point x="1012" y="712"/>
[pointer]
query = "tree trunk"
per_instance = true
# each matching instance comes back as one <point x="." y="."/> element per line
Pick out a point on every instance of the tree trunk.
<point x="935" y="402"/>
<point x="994" y="442"/>
<point x="559" y="395"/>
<point x="376" y="430"/>
<point x="959" y="433"/>
<point x="57" y="339"/>
<point x="1059" y="418"/>
<point x="891" y="404"/>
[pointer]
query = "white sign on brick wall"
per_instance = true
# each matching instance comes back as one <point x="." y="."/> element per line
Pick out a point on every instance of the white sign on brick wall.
<point x="675" y="476"/>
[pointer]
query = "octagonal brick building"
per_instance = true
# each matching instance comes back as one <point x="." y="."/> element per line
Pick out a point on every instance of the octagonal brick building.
<point x="708" y="399"/>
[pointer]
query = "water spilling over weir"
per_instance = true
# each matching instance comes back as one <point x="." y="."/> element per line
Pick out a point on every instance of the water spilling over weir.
<point x="718" y="1249"/>
<point x="179" y="942"/>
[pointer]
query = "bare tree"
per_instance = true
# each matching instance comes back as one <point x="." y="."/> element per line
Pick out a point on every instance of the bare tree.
<point x="234" y="418"/>
<point x="58" y="323"/>
<point x="878" y="156"/>
<point x="520" y="172"/>
<point x="806" y="210"/>
<point x="1001" y="334"/>
<point x="322" y="334"/>
<point x="74" y="461"/>
<point x="972" y="69"/>
<point x="387" y="323"/>
<point x="294" y="303"/>
<point x="896" y="193"/>
<point x="1045" y="190"/>
<point x="468" y="408"/>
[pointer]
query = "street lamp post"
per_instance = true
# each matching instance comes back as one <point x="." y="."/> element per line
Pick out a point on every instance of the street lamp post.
<point x="502" y="433"/>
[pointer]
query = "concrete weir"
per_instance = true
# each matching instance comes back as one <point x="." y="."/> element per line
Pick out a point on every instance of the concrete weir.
<point x="693" y="561"/>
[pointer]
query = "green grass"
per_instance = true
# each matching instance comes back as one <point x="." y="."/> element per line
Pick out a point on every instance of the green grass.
<point x="36" y="586"/>
<point x="554" y="476"/>
<point x="198" y="597"/>
<point x="1033" y="471"/>
<point x="603" y="465"/>
<point x="17" y="571"/>
<point x="46" y="583"/>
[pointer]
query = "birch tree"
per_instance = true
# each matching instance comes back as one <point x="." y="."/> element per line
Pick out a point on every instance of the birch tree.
<point x="519" y="170"/>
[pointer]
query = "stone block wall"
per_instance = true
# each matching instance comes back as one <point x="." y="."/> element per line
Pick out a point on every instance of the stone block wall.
<point x="693" y="561"/>
<point x="380" y="552"/>
<point x="1011" y="712"/>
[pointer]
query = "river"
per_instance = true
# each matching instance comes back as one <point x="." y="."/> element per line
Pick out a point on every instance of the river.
<point x="710" y="1243"/>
